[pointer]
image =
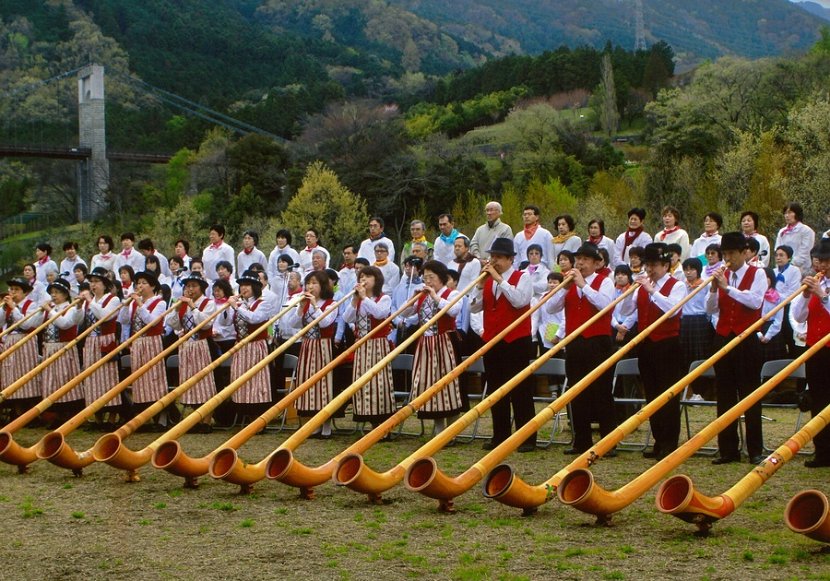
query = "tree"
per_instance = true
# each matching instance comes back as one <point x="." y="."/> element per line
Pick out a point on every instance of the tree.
<point x="609" y="114"/>
<point x="322" y="202"/>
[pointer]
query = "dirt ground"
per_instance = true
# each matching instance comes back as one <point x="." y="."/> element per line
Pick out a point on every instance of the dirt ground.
<point x="99" y="527"/>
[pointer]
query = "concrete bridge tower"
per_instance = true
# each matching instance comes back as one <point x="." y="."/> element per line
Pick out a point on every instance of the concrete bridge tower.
<point x="93" y="172"/>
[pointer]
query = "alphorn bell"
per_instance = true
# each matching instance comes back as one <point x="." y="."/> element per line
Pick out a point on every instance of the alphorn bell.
<point x="17" y="324"/>
<point x="578" y="488"/>
<point x="505" y="486"/>
<point x="424" y="476"/>
<point x="351" y="469"/>
<point x="808" y="513"/>
<point x="281" y="464"/>
<point x="677" y="496"/>
<point x="10" y="451"/>
<point x="54" y="447"/>
<point x="33" y="333"/>
<point x="170" y="456"/>
<point x="110" y="447"/>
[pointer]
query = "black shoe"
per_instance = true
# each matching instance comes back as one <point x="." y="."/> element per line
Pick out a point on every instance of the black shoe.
<point x="757" y="459"/>
<point x="527" y="447"/>
<point x="817" y="463"/>
<point x="651" y="454"/>
<point x="572" y="452"/>
<point x="725" y="460"/>
<point x="489" y="445"/>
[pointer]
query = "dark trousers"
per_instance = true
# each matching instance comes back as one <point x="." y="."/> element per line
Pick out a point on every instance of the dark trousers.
<point x="738" y="374"/>
<point x="582" y="357"/>
<point x="819" y="382"/>
<point x="501" y="363"/>
<point x="661" y="367"/>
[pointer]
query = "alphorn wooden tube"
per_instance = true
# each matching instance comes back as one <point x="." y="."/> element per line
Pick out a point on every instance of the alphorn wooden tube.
<point x="281" y="464"/>
<point x="170" y="455"/>
<point x="505" y="486"/>
<point x="352" y="471"/>
<point x="808" y="513"/>
<point x="32" y="335"/>
<point x="579" y="490"/>
<point x="424" y="476"/>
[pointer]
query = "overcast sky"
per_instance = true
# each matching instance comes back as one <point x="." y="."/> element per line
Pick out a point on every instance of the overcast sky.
<point x="825" y="3"/>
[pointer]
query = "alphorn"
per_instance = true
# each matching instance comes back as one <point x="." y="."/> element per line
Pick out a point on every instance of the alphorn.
<point x="33" y="333"/>
<point x="111" y="449"/>
<point x="10" y="451"/>
<point x="54" y="447"/>
<point x="677" y="495"/>
<point x="351" y="469"/>
<point x="423" y="474"/>
<point x="808" y="513"/>
<point x="505" y="486"/>
<point x="281" y="464"/>
<point x="578" y="488"/>
<point x="17" y="324"/>
<point x="171" y="457"/>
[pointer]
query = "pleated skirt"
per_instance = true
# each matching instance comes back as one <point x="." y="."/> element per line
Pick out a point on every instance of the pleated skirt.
<point x="376" y="400"/>
<point x="194" y="356"/>
<point x="434" y="359"/>
<point x="106" y="376"/>
<point x="258" y="388"/>
<point x="19" y="364"/>
<point x="314" y="355"/>
<point x="152" y="384"/>
<point x="61" y="372"/>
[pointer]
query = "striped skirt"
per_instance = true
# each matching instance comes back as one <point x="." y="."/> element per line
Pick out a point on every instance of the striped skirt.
<point x="193" y="357"/>
<point x="152" y="385"/>
<point x="258" y="388"/>
<point x="434" y="359"/>
<point x="106" y="376"/>
<point x="314" y="355"/>
<point x="376" y="400"/>
<point x="19" y="364"/>
<point x="61" y="372"/>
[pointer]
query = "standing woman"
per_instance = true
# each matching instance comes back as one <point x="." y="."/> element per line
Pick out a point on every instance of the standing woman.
<point x="566" y="238"/>
<point x="435" y="356"/>
<point x="194" y="354"/>
<point x="224" y="331"/>
<point x="672" y="233"/>
<point x="251" y="312"/>
<point x="316" y="347"/>
<point x="63" y="330"/>
<point x="153" y="264"/>
<point x="797" y="236"/>
<point x="369" y="307"/>
<point x="147" y="306"/>
<point x="38" y="293"/>
<point x="105" y="257"/>
<point x="100" y="302"/>
<point x="250" y="252"/>
<point x="596" y="236"/>
<point x="17" y="305"/>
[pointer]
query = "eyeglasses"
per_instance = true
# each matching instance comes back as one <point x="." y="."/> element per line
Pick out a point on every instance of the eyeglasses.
<point x="381" y="251"/>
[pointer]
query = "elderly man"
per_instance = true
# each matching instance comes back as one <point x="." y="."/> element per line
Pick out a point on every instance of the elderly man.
<point x="376" y="236"/>
<point x="443" y="250"/>
<point x="417" y="229"/>
<point x="390" y="270"/>
<point x="533" y="233"/>
<point x="467" y="265"/>
<point x="487" y="233"/>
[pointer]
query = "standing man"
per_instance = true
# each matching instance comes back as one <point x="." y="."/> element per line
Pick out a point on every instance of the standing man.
<point x="813" y="306"/>
<point x="503" y="297"/>
<point x="635" y="235"/>
<point x="250" y="253"/>
<point x="736" y="297"/>
<point x="581" y="299"/>
<point x="347" y="273"/>
<point x="417" y="229"/>
<point x="376" y="236"/>
<point x="443" y="246"/>
<point x="533" y="233"/>
<point x="147" y="248"/>
<point x="68" y="264"/>
<point x="467" y="265"/>
<point x="390" y="270"/>
<point x="487" y="233"/>
<point x="216" y="251"/>
<point x="659" y="292"/>
<point x="128" y="255"/>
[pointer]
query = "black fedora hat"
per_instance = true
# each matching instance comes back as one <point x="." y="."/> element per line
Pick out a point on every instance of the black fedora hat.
<point x="502" y="247"/>
<point x="249" y="277"/>
<point x="197" y="278"/>
<point x="61" y="285"/>
<point x="20" y="282"/>
<point x="657" y="252"/>
<point x="733" y="241"/>
<point x="589" y="250"/>
<point x="149" y="277"/>
<point x="102" y="274"/>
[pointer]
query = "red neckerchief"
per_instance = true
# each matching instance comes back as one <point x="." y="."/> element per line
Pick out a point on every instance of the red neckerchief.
<point x="530" y="231"/>
<point x="106" y="256"/>
<point x="667" y="231"/>
<point x="705" y="235"/>
<point x="126" y="253"/>
<point x="631" y="236"/>
<point x="789" y="228"/>
<point x="310" y="248"/>
<point x="596" y="240"/>
<point x="125" y="285"/>
<point x="217" y="245"/>
<point x="43" y="260"/>
<point x="248" y="250"/>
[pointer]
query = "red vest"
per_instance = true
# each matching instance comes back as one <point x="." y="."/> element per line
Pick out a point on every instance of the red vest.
<point x="252" y="327"/>
<point x="446" y="323"/>
<point x="111" y="325"/>
<point x="158" y="328"/>
<point x="373" y="323"/>
<point x="818" y="321"/>
<point x="205" y="332"/>
<point x="325" y="332"/>
<point x="648" y="312"/>
<point x="66" y="335"/>
<point x="579" y="310"/>
<point x="499" y="313"/>
<point x="733" y="317"/>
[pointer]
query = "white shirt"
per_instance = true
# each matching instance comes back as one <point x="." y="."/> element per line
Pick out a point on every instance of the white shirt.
<point x="244" y="261"/>
<point x="211" y="255"/>
<point x="443" y="252"/>
<point x="367" y="249"/>
<point x="542" y="237"/>
<point x="272" y="269"/>
<point x="679" y="236"/>
<point x="599" y="298"/>
<point x="621" y="250"/>
<point x="698" y="249"/>
<point x="468" y="274"/>
<point x="132" y="258"/>
<point x="664" y="303"/>
<point x="518" y="296"/>
<point x="801" y="239"/>
<point x="752" y="298"/>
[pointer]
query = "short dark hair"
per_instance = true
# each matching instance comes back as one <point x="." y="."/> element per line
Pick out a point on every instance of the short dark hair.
<point x="352" y="246"/>
<point x="715" y="217"/>
<point x="225" y="287"/>
<point x="606" y="258"/>
<point x="695" y="263"/>
<point x="253" y="234"/>
<point x="675" y="248"/>
<point x="184" y="243"/>
<point x="752" y="215"/>
<point x="753" y="245"/>
<point x="283" y="233"/>
<point x="438" y="268"/>
<point x="626" y="270"/>
<point x="673" y="211"/>
<point x="106" y="238"/>
<point x="146" y="244"/>
<point x="224" y="264"/>
<point x="714" y="248"/>
<point x="44" y="247"/>
<point x="68" y="245"/>
<point x="379" y="280"/>
<point x="82" y="267"/>
<point x="568" y="220"/>
<point x="535" y="247"/>
<point x="599" y="222"/>
<point x="534" y="209"/>
<point x="639" y="212"/>
<point x="219" y="229"/>
<point x="796" y="208"/>
<point x="786" y="249"/>
<point x="128" y="269"/>
<point x="567" y="254"/>
<point x="379" y="220"/>
<point x="128" y="236"/>
<point x="326" y="290"/>
<point x="637" y="251"/>
<point x="447" y="216"/>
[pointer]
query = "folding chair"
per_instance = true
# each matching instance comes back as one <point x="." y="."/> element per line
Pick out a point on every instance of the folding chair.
<point x="629" y="368"/>
<point x="403" y="363"/>
<point x="686" y="403"/>
<point x="476" y="368"/>
<point x="289" y="364"/>
<point x="771" y="368"/>
<point x="554" y="367"/>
